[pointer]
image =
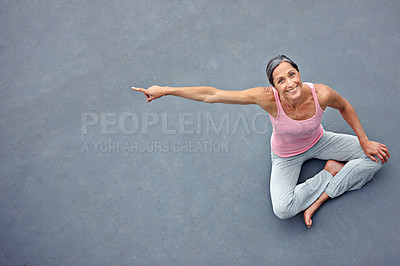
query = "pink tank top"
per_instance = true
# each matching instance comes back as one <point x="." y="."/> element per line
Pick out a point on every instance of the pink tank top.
<point x="291" y="137"/>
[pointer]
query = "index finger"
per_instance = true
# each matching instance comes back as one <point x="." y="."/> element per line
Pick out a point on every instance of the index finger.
<point x="138" y="89"/>
<point x="373" y="158"/>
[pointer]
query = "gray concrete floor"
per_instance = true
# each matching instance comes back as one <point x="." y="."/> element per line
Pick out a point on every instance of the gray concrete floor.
<point x="93" y="175"/>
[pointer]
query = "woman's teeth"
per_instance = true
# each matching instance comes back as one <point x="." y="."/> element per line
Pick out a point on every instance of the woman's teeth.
<point x="292" y="90"/>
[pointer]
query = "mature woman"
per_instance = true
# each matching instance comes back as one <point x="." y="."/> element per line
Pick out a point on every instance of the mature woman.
<point x="295" y="109"/>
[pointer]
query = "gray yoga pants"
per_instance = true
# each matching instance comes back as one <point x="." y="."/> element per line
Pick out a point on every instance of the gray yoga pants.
<point x="289" y="198"/>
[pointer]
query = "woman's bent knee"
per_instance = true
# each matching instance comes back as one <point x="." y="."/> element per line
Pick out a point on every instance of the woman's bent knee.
<point x="283" y="213"/>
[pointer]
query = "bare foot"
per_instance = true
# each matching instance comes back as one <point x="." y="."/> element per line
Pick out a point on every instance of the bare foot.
<point x="332" y="167"/>
<point x="313" y="208"/>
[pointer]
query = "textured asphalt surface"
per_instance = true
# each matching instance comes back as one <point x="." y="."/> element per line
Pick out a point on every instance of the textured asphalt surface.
<point x="90" y="174"/>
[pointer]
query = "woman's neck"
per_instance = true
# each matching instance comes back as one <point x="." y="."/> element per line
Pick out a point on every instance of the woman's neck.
<point x="293" y="104"/>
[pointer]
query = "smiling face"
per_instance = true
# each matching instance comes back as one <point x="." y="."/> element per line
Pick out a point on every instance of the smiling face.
<point x="287" y="81"/>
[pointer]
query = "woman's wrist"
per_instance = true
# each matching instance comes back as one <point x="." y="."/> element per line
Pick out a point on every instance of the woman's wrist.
<point x="363" y="140"/>
<point x="165" y="90"/>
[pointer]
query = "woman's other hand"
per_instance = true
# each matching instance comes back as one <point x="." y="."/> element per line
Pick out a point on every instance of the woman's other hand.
<point x="372" y="148"/>
<point x="152" y="92"/>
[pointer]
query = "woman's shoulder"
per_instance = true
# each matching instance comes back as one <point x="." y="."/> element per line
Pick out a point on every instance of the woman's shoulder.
<point x="267" y="93"/>
<point x="263" y="89"/>
<point x="265" y="98"/>
<point x="322" y="89"/>
<point x="317" y="86"/>
<point x="324" y="94"/>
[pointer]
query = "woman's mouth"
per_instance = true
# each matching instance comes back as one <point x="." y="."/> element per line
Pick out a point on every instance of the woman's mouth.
<point x="292" y="90"/>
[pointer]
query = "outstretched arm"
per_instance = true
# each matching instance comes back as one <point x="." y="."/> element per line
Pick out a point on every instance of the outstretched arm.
<point x="371" y="148"/>
<point x="258" y="95"/>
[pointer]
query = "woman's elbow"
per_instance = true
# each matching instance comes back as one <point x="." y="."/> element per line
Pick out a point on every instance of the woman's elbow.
<point x="346" y="108"/>
<point x="209" y="99"/>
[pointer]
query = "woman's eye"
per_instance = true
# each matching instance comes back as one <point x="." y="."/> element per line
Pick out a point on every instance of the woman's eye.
<point x="280" y="80"/>
<point x="292" y="74"/>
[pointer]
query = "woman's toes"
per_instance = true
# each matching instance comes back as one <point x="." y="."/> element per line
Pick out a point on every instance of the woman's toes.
<point x="307" y="219"/>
